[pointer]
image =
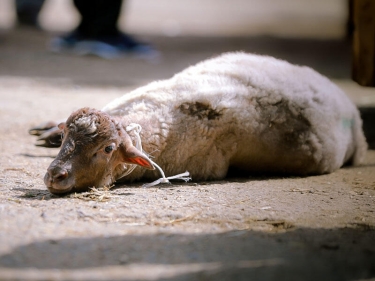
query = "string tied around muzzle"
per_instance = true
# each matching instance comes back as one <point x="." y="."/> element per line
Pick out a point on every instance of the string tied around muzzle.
<point x="136" y="129"/>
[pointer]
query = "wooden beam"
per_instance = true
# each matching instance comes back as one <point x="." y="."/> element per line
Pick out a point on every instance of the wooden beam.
<point x="363" y="66"/>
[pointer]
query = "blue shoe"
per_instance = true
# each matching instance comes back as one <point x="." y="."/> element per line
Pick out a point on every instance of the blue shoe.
<point x="104" y="47"/>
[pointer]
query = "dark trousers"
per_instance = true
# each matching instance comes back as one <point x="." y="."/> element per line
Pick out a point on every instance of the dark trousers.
<point x="98" y="17"/>
<point x="28" y="11"/>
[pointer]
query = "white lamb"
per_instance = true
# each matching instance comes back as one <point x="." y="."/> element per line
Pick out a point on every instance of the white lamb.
<point x="251" y="112"/>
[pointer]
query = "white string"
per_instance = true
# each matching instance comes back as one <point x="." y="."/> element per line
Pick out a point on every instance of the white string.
<point x="138" y="144"/>
<point x="137" y="129"/>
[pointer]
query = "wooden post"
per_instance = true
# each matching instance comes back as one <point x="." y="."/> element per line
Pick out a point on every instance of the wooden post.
<point x="363" y="66"/>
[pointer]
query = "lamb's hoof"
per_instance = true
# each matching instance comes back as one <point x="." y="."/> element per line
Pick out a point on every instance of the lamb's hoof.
<point x="42" y="128"/>
<point x="50" y="138"/>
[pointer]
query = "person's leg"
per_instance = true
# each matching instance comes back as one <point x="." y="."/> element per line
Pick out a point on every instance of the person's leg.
<point x="98" y="34"/>
<point x="99" y="17"/>
<point x="28" y="10"/>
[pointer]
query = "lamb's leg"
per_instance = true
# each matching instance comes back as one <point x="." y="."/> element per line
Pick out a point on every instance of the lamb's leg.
<point x="49" y="134"/>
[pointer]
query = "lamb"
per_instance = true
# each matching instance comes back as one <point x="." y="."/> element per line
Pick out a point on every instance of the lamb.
<point x="251" y="112"/>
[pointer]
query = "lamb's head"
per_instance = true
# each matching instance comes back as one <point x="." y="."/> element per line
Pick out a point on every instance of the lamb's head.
<point x="93" y="145"/>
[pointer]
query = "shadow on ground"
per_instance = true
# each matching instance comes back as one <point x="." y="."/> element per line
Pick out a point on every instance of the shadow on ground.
<point x="331" y="254"/>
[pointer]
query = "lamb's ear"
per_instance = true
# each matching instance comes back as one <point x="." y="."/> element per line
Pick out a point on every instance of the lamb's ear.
<point x="129" y="153"/>
<point x="132" y="155"/>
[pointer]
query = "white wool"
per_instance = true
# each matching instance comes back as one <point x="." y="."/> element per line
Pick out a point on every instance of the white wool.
<point x="87" y="123"/>
<point x="249" y="111"/>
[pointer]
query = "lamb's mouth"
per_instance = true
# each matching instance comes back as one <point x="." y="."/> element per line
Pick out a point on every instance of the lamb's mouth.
<point x="60" y="191"/>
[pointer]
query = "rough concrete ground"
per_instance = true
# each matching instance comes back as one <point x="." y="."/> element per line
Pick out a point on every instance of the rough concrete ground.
<point x="248" y="228"/>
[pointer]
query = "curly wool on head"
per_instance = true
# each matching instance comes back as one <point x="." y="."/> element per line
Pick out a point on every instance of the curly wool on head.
<point x="91" y="122"/>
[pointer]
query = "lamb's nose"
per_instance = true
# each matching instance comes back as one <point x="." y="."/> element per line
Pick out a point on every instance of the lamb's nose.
<point x="57" y="174"/>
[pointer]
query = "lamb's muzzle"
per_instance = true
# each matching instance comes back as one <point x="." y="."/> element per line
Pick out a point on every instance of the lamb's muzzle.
<point x="55" y="180"/>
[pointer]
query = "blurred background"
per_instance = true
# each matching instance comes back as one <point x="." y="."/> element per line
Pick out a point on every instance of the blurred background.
<point x="286" y="18"/>
<point x="312" y="33"/>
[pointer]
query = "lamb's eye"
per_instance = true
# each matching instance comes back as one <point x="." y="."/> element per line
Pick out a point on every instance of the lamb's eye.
<point x="108" y="149"/>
